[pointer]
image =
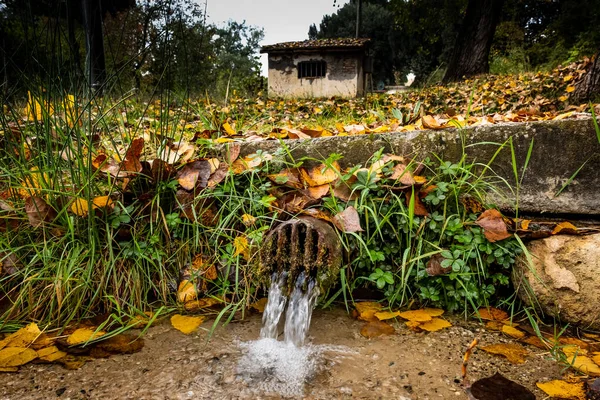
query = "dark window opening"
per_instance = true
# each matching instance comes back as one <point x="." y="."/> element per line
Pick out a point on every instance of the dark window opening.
<point x="312" y="69"/>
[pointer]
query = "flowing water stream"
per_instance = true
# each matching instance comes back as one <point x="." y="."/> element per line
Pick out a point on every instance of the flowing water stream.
<point x="282" y="367"/>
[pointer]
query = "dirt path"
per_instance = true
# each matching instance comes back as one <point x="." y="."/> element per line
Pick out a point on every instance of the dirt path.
<point x="407" y="365"/>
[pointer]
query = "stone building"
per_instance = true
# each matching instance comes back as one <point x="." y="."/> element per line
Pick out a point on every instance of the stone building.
<point x="318" y="68"/>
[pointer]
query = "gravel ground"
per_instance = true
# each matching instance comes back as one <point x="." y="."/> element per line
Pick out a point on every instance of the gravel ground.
<point x="403" y="366"/>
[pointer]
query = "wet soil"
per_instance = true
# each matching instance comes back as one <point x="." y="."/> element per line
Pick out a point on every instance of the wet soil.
<point x="403" y="366"/>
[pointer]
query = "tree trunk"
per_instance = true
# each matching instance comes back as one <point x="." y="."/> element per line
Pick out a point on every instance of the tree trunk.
<point x="589" y="86"/>
<point x="95" y="63"/>
<point x="472" y="47"/>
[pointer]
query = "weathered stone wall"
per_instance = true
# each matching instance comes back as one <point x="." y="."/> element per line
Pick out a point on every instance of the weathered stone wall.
<point x="560" y="148"/>
<point x="343" y="79"/>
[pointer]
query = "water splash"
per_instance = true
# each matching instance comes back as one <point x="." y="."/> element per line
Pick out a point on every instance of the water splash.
<point x="283" y="367"/>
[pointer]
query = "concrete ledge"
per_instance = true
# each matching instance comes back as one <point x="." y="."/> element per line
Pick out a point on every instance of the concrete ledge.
<point x="560" y="148"/>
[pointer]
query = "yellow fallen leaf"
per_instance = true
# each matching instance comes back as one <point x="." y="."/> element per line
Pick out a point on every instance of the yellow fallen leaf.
<point x="384" y="315"/>
<point x="376" y="328"/>
<point x="259" y="305"/>
<point x="22" y="338"/>
<point x="83" y="335"/>
<point x="596" y="357"/>
<point x="563" y="98"/>
<point x="223" y="140"/>
<point x="492" y="314"/>
<point x="413" y="325"/>
<point x="435" y="324"/>
<point x="320" y="175"/>
<point x="214" y="164"/>
<point x="9" y="369"/>
<point x="564" y="227"/>
<point x="102" y="202"/>
<point x="16" y="356"/>
<point x="513" y="332"/>
<point x="80" y="207"/>
<point x="422" y="315"/>
<point x="186" y="324"/>
<point x="228" y="129"/>
<point x="50" y="354"/>
<point x="514" y="353"/>
<point x="570" y="89"/>
<point x="186" y="291"/>
<point x="584" y="364"/>
<point x="365" y="310"/>
<point x="248" y="219"/>
<point x="559" y="389"/>
<point x="199" y="304"/>
<point x="241" y="246"/>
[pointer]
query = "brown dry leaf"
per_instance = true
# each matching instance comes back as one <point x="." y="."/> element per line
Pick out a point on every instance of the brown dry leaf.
<point x="176" y="152"/>
<point x="385" y="315"/>
<point x="565" y="228"/>
<point x="218" y="176"/>
<point x="233" y="152"/>
<point x="537" y="342"/>
<point x="317" y="192"/>
<point x="200" y="304"/>
<point x="434" y="266"/>
<point x="124" y="343"/>
<point x="559" y="389"/>
<point x="289" y="177"/>
<point x="494" y="325"/>
<point x="194" y="172"/>
<point x="24" y="337"/>
<point x="403" y="174"/>
<point x="186" y="291"/>
<point x="583" y="363"/>
<point x="132" y="161"/>
<point x="343" y="191"/>
<point x="435" y="325"/>
<point x="186" y="324"/>
<point x="243" y="164"/>
<point x="38" y="211"/>
<point x="348" y="220"/>
<point x="16" y="356"/>
<point x="514" y="353"/>
<point x="109" y="166"/>
<point x="50" y="354"/>
<point x="320" y="175"/>
<point x="573" y="341"/>
<point x="73" y="362"/>
<point x="493" y="225"/>
<point x="429" y="122"/>
<point x="420" y="209"/>
<point x="161" y="171"/>
<point x="43" y="341"/>
<point x="365" y="310"/>
<point x="376" y="328"/>
<point x="489" y="389"/>
<point x="513" y="332"/>
<point x="259" y="305"/>
<point x="83" y="335"/>
<point x="492" y="314"/>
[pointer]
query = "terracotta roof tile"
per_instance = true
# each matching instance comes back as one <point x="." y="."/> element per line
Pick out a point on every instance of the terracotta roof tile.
<point x="319" y="44"/>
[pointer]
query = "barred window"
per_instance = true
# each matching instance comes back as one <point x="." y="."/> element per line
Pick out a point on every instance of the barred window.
<point x="312" y="69"/>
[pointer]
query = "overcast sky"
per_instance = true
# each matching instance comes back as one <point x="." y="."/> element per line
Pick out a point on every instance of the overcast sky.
<point x="282" y="20"/>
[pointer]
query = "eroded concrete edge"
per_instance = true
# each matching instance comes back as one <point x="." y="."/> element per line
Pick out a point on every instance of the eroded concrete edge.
<point x="560" y="149"/>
